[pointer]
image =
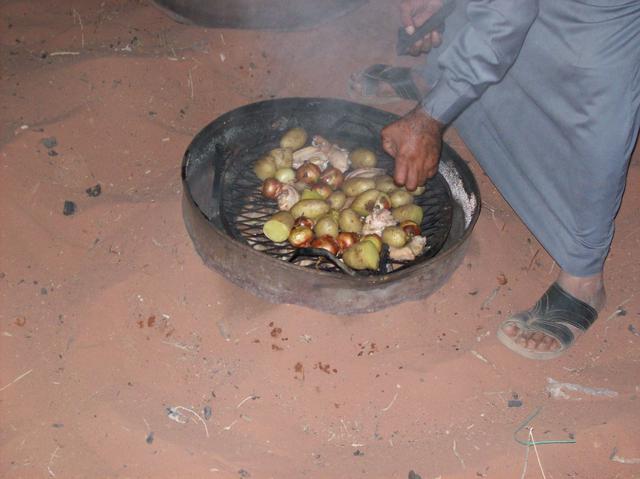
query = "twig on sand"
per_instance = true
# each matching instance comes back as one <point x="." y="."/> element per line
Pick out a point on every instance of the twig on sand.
<point x="252" y="397"/>
<point x="16" y="379"/>
<point x="175" y="409"/>
<point x="619" y="311"/>
<point x="623" y="460"/>
<point x="490" y="298"/>
<point x="53" y="456"/>
<point x="190" y="83"/>
<point x="455" y="451"/>
<point x="535" y="449"/>
<point x="533" y="259"/>
<point x="58" y="54"/>
<point x="395" y="396"/>
<point x="76" y="14"/>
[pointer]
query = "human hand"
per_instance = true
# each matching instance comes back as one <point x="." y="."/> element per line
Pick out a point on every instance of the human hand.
<point x="415" y="142"/>
<point x="414" y="13"/>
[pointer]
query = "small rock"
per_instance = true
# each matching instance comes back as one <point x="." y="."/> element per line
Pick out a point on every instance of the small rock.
<point x="149" y="439"/>
<point x="94" y="191"/>
<point x="206" y="412"/>
<point x="43" y="291"/>
<point x="52" y="153"/>
<point x="514" y="403"/>
<point x="502" y="279"/>
<point x="358" y="452"/>
<point x="413" y="475"/>
<point x="69" y="208"/>
<point x="244" y="473"/>
<point x="50" y="142"/>
<point x="57" y="425"/>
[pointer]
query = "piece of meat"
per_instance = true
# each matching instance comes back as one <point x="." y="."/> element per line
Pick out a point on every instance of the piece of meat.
<point x="311" y="154"/>
<point x="377" y="221"/>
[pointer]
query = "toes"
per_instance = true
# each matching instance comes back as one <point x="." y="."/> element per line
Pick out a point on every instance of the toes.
<point x="511" y="330"/>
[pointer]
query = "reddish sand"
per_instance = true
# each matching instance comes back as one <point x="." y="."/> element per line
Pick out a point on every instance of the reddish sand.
<point x="109" y="317"/>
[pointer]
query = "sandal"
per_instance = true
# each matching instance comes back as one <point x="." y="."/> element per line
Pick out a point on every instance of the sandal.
<point x="551" y="315"/>
<point x="399" y="78"/>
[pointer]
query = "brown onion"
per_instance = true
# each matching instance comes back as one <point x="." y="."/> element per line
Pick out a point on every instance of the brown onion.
<point x="333" y="177"/>
<point x="308" y="173"/>
<point x="346" y="239"/>
<point x="322" y="189"/>
<point x="326" y="242"/>
<point x="271" y="188"/>
<point x="300" y="237"/>
<point x="304" y="221"/>
<point x="411" y="228"/>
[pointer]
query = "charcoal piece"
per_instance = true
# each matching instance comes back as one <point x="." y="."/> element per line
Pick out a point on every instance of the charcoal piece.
<point x="149" y="438"/>
<point x="69" y="208"/>
<point x="94" y="190"/>
<point x="206" y="412"/>
<point x="50" y="142"/>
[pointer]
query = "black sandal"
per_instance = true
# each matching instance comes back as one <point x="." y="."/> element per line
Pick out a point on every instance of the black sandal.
<point x="399" y="78"/>
<point x="550" y="316"/>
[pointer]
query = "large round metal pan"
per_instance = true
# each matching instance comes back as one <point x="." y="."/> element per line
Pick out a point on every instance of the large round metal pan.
<point x="224" y="146"/>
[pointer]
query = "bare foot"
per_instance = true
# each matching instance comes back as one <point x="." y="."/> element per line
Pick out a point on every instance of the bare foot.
<point x="588" y="289"/>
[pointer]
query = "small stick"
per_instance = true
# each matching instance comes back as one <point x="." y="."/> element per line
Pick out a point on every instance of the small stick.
<point x="16" y="379"/>
<point x="395" y="396"/>
<point x="622" y="460"/>
<point x="56" y="54"/>
<point x="76" y="14"/>
<point x="53" y="456"/>
<point x="191" y="83"/>
<point x="535" y="449"/>
<point x="206" y="429"/>
<point x="490" y="298"/>
<point x="253" y="396"/>
<point x="455" y="451"/>
<point x="533" y="259"/>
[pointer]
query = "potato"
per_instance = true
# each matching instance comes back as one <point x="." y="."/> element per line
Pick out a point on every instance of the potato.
<point x="385" y="184"/>
<point x="337" y="199"/>
<point x="310" y="195"/>
<point x="277" y="229"/>
<point x="363" y="158"/>
<point x="394" y="236"/>
<point x="282" y="156"/>
<point x="335" y="214"/>
<point x="310" y="208"/>
<point x="375" y="241"/>
<point x="364" y="202"/>
<point x="362" y="255"/>
<point x="418" y="191"/>
<point x="400" y="198"/>
<point x="326" y="226"/>
<point x="350" y="221"/>
<point x="408" y="212"/>
<point x="265" y="167"/>
<point x="355" y="186"/>
<point x="295" y="139"/>
<point x="285" y="175"/>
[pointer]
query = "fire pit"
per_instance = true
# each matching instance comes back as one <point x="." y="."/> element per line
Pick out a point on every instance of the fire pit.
<point x="224" y="211"/>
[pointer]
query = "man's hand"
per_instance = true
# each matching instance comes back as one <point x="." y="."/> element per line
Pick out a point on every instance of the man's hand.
<point x="414" y="14"/>
<point x="415" y="141"/>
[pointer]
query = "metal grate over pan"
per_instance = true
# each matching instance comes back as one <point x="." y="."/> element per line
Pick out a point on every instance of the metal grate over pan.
<point x="244" y="211"/>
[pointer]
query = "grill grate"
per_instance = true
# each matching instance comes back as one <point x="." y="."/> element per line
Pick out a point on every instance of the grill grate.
<point x="244" y="212"/>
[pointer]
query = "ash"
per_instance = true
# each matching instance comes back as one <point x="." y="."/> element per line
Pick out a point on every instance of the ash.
<point x="467" y="201"/>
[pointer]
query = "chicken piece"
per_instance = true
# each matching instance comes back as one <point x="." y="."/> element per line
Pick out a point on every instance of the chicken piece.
<point x="377" y="221"/>
<point x="311" y="154"/>
<point x="410" y="251"/>
<point x="287" y="198"/>
<point x="417" y="245"/>
<point x="338" y="157"/>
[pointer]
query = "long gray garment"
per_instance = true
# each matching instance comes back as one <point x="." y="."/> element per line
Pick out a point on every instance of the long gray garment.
<point x="546" y="94"/>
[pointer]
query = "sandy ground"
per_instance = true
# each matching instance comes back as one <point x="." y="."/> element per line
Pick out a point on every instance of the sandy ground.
<point x="109" y="317"/>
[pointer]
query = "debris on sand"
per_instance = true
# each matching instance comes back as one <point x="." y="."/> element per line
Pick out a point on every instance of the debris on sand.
<point x="50" y="142"/>
<point x="557" y="390"/>
<point x="623" y="460"/>
<point x="94" y="191"/>
<point x="69" y="208"/>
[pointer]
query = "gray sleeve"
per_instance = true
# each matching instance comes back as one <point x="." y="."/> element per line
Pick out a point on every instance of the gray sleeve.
<point x="479" y="55"/>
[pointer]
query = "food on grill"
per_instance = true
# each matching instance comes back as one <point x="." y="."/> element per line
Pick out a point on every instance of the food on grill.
<point x="326" y="226"/>
<point x="363" y="158"/>
<point x="265" y="167"/>
<point x="282" y="156"/>
<point x="285" y="175"/>
<point x="287" y="198"/>
<point x="301" y="236"/>
<point x="365" y="202"/>
<point x="333" y="177"/>
<point x="394" y="236"/>
<point x="326" y="242"/>
<point x="355" y="186"/>
<point x="418" y="191"/>
<point x="308" y="173"/>
<point x="350" y="221"/>
<point x="277" y="229"/>
<point x="337" y="200"/>
<point x="362" y="255"/>
<point x="400" y="198"/>
<point x="325" y="206"/>
<point x="295" y="139"/>
<point x="271" y="188"/>
<point x="310" y="208"/>
<point x="408" y="212"/>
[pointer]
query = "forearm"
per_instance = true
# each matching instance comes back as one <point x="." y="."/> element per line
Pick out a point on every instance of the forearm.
<point x="480" y="54"/>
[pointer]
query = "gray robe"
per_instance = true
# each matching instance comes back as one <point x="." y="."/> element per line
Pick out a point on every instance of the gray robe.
<point x="546" y="94"/>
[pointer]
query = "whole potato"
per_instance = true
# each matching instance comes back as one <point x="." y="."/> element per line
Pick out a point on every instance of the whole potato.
<point x="400" y="198"/>
<point x="337" y="199"/>
<point x="350" y="221"/>
<point x="363" y="158"/>
<point x="408" y="212"/>
<point x="265" y="167"/>
<point x="326" y="226"/>
<point x="310" y="208"/>
<point x="364" y="202"/>
<point x="355" y="186"/>
<point x="283" y="157"/>
<point x="385" y="184"/>
<point x="295" y="139"/>
<point x="362" y="255"/>
<point x="394" y="236"/>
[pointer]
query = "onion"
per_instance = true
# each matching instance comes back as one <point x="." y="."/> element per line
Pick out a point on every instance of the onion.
<point x="308" y="173"/>
<point x="271" y="188"/>
<point x="411" y="228"/>
<point x="326" y="242"/>
<point x="346" y="239"/>
<point x="333" y="177"/>
<point x="304" y="221"/>
<point x="300" y="237"/>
